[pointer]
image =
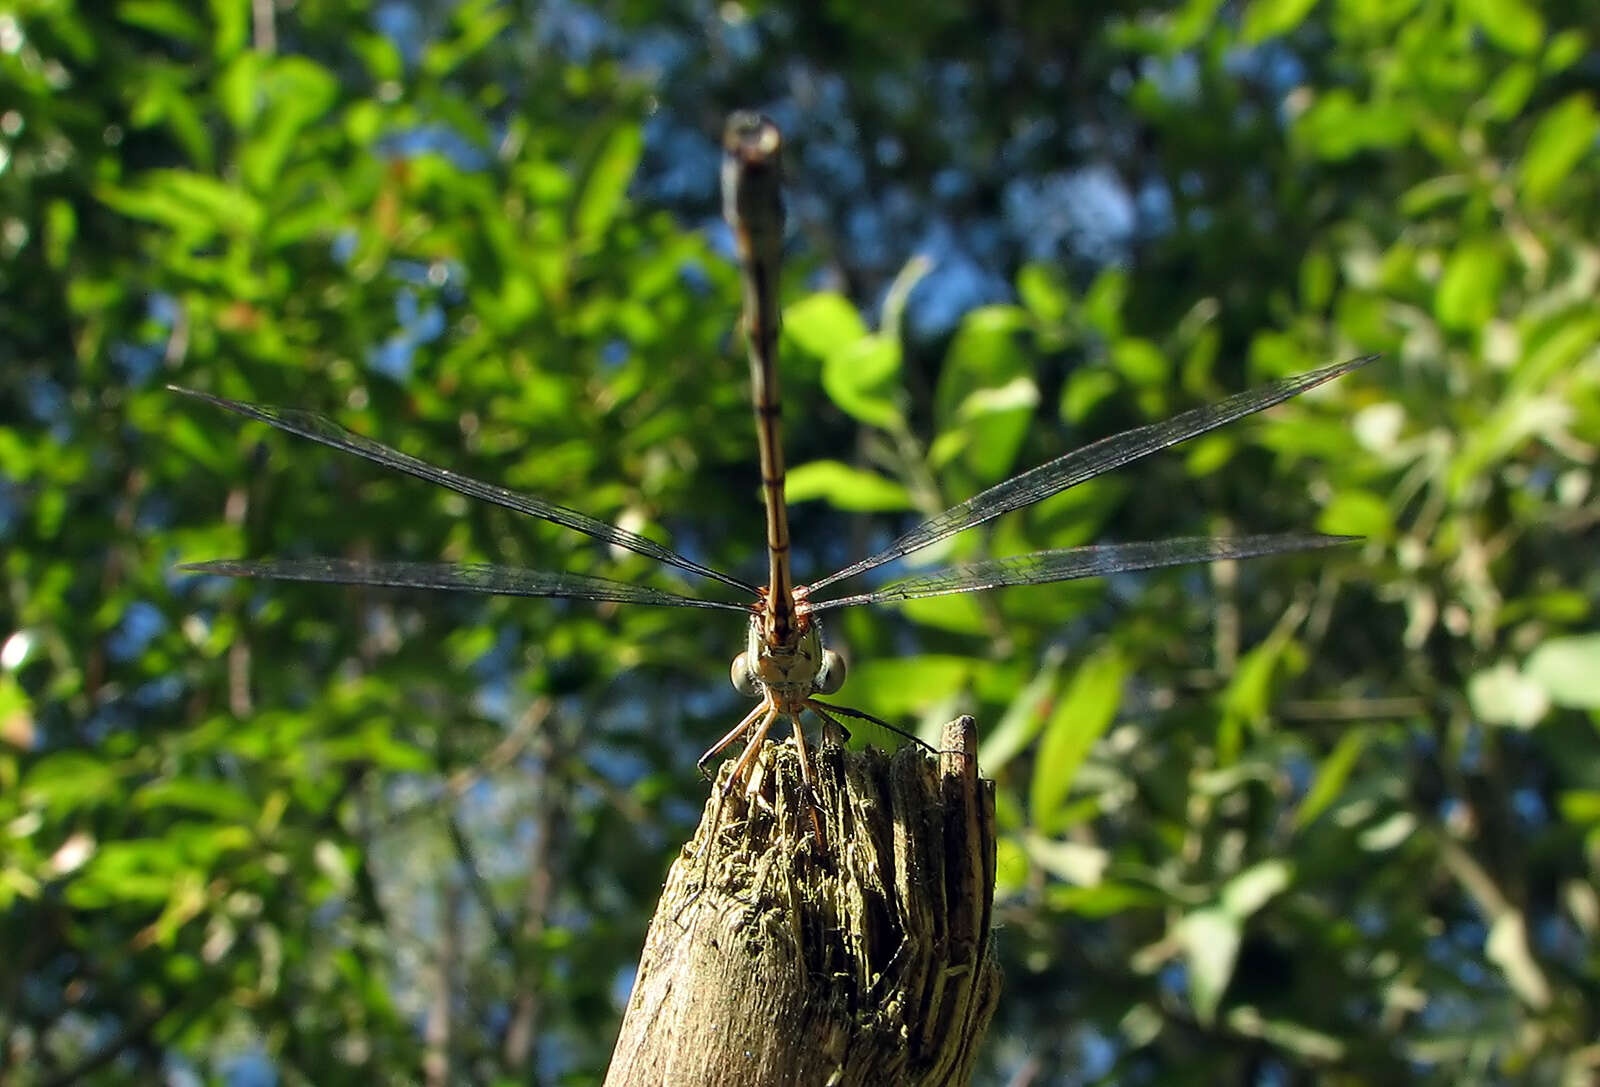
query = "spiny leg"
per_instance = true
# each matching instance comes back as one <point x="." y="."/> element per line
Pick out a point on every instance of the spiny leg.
<point x="813" y="801"/>
<point x="822" y="709"/>
<point x="733" y="734"/>
<point x="758" y="736"/>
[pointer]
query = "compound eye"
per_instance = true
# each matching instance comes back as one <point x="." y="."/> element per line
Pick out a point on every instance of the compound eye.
<point x="744" y="680"/>
<point x="830" y="677"/>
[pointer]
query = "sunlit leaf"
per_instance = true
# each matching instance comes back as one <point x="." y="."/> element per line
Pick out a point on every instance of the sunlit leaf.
<point x="1210" y="940"/>
<point x="605" y="185"/>
<point x="1568" y="670"/>
<point x="1502" y="695"/>
<point x="1470" y="286"/>
<point x="1357" y="513"/>
<point x="1086" y="709"/>
<point x="1511" y="24"/>
<point x="1251" y="889"/>
<point x="1271" y="18"/>
<point x="1075" y="862"/>
<point x="68" y="779"/>
<point x="1024" y="716"/>
<point x="207" y="797"/>
<point x="846" y="487"/>
<point x="903" y="685"/>
<point x="162" y="17"/>
<point x="862" y="378"/>
<point x="1564" y="135"/>
<point x="1507" y="947"/>
<point x="1044" y="292"/>
<point x="1338" y="125"/>
<point x="823" y="323"/>
<point x="1332" y="775"/>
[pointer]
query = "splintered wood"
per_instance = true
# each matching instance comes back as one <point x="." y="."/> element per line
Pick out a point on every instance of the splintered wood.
<point x="867" y="961"/>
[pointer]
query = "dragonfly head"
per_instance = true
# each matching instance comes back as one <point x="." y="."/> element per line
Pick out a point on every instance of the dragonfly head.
<point x="790" y="672"/>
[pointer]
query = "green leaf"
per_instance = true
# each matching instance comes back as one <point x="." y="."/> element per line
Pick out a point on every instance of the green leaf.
<point x="239" y="91"/>
<point x="1510" y="24"/>
<point x="1210" y="940"/>
<point x="1504" y="696"/>
<point x="904" y="685"/>
<point x="295" y="92"/>
<point x="232" y="28"/>
<point x="1317" y="279"/>
<point x="16" y="712"/>
<point x="1075" y="862"/>
<point x="1297" y="1038"/>
<point x="823" y="323"/>
<point x="1087" y="708"/>
<point x="1338" y="126"/>
<point x="846" y="487"/>
<point x="207" y="797"/>
<point x="1106" y="899"/>
<point x="164" y="17"/>
<point x="1102" y="305"/>
<point x="1470" y="287"/>
<point x="1563" y="136"/>
<point x="1084" y="389"/>
<point x="477" y="22"/>
<point x="1249" y="690"/>
<point x="1272" y="18"/>
<point x="68" y="780"/>
<point x="1508" y="94"/>
<point x="862" y="378"/>
<point x="1251" y="889"/>
<point x="1580" y="806"/>
<point x="986" y="389"/>
<point x="1507" y="947"/>
<point x="1141" y="362"/>
<point x="161" y="206"/>
<point x="1022" y="720"/>
<point x="1357" y="513"/>
<point x="958" y="613"/>
<point x="1044" y="292"/>
<point x="1565" y="49"/>
<point x="60" y="229"/>
<point x="605" y="186"/>
<point x="1568" y="670"/>
<point x="1514" y="421"/>
<point x="1429" y="195"/>
<point x="1331" y="777"/>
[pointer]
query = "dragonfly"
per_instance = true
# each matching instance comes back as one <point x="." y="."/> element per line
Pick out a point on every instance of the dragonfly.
<point x="785" y="664"/>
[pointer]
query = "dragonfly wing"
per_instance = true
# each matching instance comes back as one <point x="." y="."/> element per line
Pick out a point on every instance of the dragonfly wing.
<point x="1069" y="564"/>
<point x="1092" y="460"/>
<point x="319" y="428"/>
<point x="465" y="576"/>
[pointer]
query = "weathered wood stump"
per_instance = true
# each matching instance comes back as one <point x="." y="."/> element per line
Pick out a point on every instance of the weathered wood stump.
<point x="866" y="961"/>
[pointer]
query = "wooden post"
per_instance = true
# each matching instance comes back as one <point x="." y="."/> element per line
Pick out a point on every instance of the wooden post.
<point x="770" y="961"/>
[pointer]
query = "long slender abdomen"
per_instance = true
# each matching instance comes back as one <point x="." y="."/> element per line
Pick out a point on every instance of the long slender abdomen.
<point x="753" y="206"/>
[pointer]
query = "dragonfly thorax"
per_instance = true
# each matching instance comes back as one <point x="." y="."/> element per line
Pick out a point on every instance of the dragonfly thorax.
<point x="789" y="671"/>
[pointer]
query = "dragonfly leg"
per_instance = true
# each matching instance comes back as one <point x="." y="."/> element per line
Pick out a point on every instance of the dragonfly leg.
<point x="829" y="722"/>
<point x="823" y="709"/>
<point x="812" y="800"/>
<point x="733" y="734"/>
<point x="752" y="746"/>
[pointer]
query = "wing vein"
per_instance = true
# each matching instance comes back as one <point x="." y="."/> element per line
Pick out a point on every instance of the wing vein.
<point x="319" y="428"/>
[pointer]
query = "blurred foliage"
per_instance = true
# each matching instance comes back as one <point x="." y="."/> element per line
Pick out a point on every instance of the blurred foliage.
<point x="1334" y="817"/>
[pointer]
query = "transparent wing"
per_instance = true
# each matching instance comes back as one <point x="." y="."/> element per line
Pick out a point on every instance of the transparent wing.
<point x="470" y="577"/>
<point x="319" y="428"/>
<point x="1092" y="460"/>
<point x="1069" y="564"/>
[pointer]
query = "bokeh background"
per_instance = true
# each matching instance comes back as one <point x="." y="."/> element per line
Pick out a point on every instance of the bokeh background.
<point x="1330" y="818"/>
